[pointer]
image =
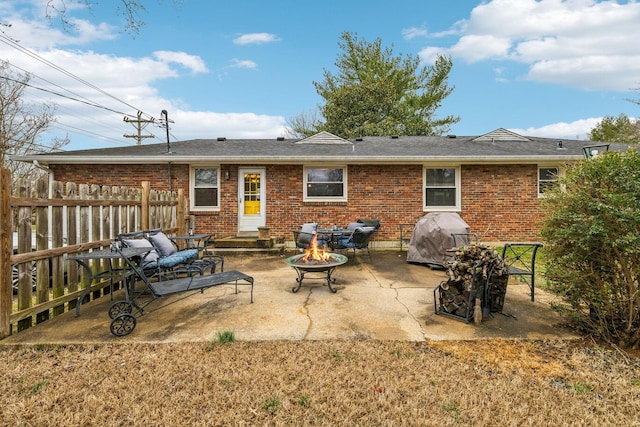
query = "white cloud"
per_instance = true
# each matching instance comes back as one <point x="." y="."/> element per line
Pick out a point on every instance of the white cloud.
<point x="578" y="129"/>
<point x="199" y="124"/>
<point x="243" y="63"/>
<point x="191" y="62"/>
<point x="581" y="43"/>
<point x="413" y="32"/>
<point x="255" y="38"/>
<point x="37" y="33"/>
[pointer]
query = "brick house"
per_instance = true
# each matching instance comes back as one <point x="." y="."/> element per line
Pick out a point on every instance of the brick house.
<point x="494" y="181"/>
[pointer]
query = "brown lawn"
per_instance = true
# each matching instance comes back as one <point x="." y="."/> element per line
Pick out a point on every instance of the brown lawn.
<point x="305" y="383"/>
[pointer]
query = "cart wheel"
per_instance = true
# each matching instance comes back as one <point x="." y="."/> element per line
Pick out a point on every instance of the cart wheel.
<point x="123" y="324"/>
<point x="118" y="308"/>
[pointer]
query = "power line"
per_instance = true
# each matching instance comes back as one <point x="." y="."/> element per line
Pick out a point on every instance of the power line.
<point x="76" y="98"/>
<point x="10" y="42"/>
<point x="92" y="104"/>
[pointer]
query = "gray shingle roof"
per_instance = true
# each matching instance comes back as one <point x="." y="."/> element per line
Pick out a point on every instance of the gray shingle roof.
<point x="500" y="146"/>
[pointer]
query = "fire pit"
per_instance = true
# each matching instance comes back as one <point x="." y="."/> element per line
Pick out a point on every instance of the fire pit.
<point x="303" y="264"/>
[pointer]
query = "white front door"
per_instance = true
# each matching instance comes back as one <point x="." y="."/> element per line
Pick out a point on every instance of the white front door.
<point x="251" y="199"/>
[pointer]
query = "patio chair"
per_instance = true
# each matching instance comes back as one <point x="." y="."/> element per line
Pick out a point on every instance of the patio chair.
<point x="359" y="239"/>
<point x="520" y="260"/>
<point x="165" y="260"/>
<point x="304" y="235"/>
<point x="187" y="261"/>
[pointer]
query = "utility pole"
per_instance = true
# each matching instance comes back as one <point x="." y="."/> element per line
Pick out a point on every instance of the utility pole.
<point x="139" y="124"/>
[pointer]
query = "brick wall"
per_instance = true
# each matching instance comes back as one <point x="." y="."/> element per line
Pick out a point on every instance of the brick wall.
<point x="498" y="202"/>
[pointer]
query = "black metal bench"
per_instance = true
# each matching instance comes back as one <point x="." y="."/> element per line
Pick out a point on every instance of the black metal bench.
<point x="520" y="260"/>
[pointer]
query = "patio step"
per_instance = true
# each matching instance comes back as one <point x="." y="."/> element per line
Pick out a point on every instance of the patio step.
<point x="247" y="245"/>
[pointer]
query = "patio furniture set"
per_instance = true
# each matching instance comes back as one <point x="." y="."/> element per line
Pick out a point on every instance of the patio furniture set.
<point x="355" y="236"/>
<point x="155" y="260"/>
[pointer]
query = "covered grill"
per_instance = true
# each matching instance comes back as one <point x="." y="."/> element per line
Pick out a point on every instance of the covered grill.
<point x="432" y="238"/>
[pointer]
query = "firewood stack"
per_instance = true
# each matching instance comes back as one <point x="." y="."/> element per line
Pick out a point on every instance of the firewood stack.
<point x="477" y="273"/>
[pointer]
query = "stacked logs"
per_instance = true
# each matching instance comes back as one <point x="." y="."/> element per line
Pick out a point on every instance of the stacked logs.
<point x="477" y="279"/>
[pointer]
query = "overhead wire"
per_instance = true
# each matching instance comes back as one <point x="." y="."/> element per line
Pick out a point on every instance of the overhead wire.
<point x="69" y="111"/>
<point x="76" y="98"/>
<point x="12" y="43"/>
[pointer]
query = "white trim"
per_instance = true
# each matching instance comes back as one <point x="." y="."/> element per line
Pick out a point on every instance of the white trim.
<point x="457" y="186"/>
<point x="345" y="178"/>
<point x="192" y="206"/>
<point x="546" y="166"/>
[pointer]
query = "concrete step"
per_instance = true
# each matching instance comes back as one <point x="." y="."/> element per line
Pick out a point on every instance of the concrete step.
<point x="277" y="249"/>
<point x="246" y="245"/>
<point x="239" y="242"/>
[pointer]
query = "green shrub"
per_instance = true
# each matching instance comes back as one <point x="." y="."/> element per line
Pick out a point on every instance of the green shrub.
<point x="592" y="243"/>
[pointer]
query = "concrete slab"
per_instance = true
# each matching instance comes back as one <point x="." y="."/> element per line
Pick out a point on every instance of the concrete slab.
<point x="386" y="299"/>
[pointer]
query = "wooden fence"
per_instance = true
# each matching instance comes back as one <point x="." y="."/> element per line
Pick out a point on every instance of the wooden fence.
<point x="42" y="223"/>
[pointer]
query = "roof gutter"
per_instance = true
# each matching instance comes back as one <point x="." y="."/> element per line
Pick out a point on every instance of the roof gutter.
<point x="45" y="161"/>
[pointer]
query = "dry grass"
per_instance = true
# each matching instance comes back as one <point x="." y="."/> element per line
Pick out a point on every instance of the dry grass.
<point x="489" y="382"/>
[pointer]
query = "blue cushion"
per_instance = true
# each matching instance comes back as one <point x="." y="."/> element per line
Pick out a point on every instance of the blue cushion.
<point x="177" y="258"/>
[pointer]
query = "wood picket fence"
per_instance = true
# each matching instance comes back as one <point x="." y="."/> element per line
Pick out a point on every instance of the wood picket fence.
<point x="42" y="223"/>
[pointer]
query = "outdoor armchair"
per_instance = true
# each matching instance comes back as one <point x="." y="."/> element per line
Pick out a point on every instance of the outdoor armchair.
<point x="359" y="239"/>
<point x="304" y="235"/>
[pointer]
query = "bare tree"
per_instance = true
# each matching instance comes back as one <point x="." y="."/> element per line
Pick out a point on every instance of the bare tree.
<point x="130" y="10"/>
<point x="21" y="124"/>
<point x="303" y="124"/>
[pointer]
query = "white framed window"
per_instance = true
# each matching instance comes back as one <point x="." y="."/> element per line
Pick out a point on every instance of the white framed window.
<point x="547" y="178"/>
<point x="204" y="187"/>
<point x="441" y="188"/>
<point x="325" y="183"/>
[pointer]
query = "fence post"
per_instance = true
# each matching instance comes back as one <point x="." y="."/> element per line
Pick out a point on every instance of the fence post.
<point x="42" y="243"/>
<point x="25" y="245"/>
<point x="144" y="204"/>
<point x="6" y="244"/>
<point x="71" y="192"/>
<point x="57" y="241"/>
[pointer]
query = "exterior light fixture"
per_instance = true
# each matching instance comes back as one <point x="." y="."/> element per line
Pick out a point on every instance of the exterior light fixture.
<point x="227" y="175"/>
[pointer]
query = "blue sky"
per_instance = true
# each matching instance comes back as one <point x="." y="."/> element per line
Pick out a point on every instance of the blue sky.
<point x="241" y="68"/>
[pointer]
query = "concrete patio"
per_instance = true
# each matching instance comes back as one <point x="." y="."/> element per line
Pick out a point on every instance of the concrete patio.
<point x="386" y="299"/>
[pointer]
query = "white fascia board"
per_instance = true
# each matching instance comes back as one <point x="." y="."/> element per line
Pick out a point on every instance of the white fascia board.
<point x="49" y="160"/>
